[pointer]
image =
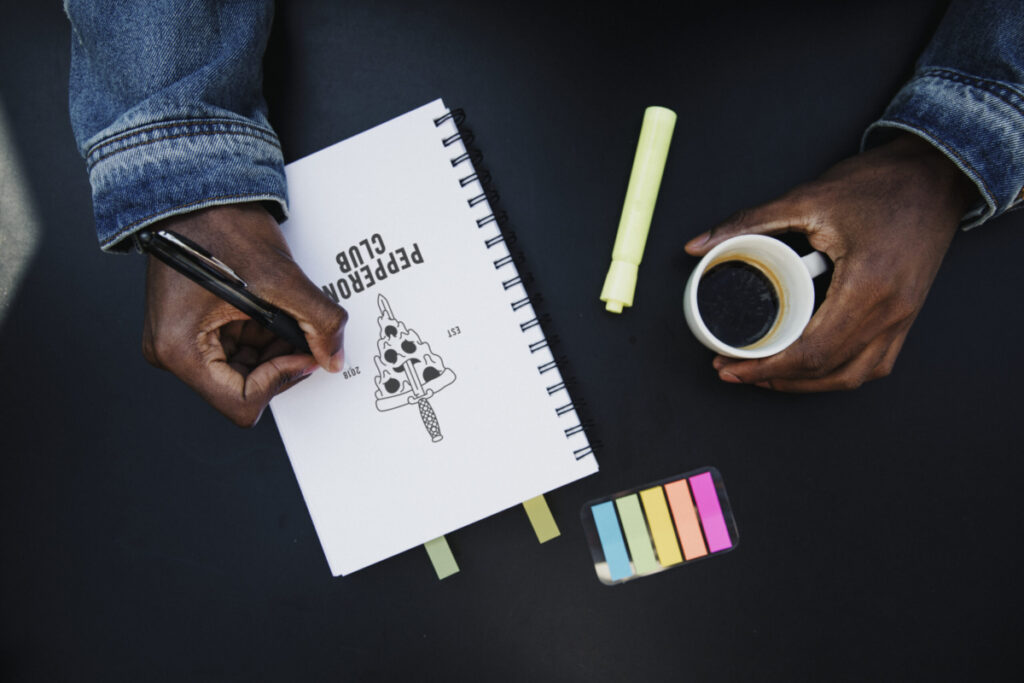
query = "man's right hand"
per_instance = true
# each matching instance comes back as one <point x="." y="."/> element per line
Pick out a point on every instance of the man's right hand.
<point x="233" y="362"/>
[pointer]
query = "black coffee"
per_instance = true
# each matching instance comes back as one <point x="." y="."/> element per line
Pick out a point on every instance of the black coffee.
<point x="737" y="302"/>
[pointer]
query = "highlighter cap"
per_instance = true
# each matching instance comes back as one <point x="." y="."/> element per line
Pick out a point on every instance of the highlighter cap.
<point x="638" y="208"/>
<point x="619" y="286"/>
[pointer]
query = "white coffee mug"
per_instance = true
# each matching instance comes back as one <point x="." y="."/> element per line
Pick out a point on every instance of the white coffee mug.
<point x="790" y="274"/>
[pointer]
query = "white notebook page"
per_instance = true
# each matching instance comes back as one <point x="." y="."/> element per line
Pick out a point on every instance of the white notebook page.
<point x="422" y="292"/>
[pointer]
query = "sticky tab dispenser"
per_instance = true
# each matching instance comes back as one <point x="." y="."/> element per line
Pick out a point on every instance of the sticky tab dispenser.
<point x="658" y="526"/>
<point x="638" y="208"/>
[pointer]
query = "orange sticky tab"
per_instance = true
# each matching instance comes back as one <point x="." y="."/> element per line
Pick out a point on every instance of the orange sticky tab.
<point x="685" y="515"/>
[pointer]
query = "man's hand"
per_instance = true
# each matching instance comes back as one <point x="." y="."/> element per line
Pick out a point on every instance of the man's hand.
<point x="233" y="362"/>
<point x="885" y="218"/>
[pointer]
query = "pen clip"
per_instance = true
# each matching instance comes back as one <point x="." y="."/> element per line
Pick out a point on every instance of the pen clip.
<point x="202" y="257"/>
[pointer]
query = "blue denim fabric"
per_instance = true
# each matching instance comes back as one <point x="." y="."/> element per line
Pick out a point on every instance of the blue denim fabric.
<point x="967" y="98"/>
<point x="167" y="108"/>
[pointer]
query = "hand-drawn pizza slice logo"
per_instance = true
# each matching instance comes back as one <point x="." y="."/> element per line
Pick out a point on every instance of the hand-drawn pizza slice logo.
<point x="408" y="372"/>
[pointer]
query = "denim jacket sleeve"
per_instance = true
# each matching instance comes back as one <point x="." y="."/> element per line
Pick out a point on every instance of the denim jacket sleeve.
<point x="966" y="97"/>
<point x="166" y="106"/>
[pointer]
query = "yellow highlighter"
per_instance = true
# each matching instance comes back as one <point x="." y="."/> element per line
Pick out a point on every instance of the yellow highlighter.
<point x="644" y="181"/>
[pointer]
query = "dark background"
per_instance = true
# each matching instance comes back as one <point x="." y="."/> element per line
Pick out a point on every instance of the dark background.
<point x="146" y="538"/>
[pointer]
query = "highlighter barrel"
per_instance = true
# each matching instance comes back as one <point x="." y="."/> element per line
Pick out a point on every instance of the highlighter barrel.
<point x="638" y="208"/>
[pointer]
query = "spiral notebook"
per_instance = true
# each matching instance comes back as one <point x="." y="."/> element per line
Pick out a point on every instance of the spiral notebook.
<point x="451" y="406"/>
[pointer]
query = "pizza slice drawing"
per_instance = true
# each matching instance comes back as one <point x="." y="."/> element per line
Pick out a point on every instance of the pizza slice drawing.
<point x="408" y="372"/>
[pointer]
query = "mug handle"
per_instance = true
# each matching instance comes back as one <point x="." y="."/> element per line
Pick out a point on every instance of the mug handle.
<point x="815" y="263"/>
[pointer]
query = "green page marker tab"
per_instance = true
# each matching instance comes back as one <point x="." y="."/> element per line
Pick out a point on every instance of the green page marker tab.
<point x="644" y="181"/>
<point x="541" y="518"/>
<point x="637" y="538"/>
<point x="441" y="557"/>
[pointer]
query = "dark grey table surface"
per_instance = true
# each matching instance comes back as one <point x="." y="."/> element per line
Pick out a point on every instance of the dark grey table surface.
<point x="146" y="538"/>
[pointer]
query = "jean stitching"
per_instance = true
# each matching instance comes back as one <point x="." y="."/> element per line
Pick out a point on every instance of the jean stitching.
<point x="186" y="123"/>
<point x="1004" y="93"/>
<point x="94" y="160"/>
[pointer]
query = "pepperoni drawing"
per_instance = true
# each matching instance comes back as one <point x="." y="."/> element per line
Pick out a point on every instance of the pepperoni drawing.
<point x="408" y="372"/>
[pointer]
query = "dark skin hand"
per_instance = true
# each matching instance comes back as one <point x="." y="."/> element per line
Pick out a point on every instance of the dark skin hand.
<point x="234" y="363"/>
<point x="885" y="218"/>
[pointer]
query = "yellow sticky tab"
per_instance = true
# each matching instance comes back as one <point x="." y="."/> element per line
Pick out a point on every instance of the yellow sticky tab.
<point x="441" y="557"/>
<point x="638" y="209"/>
<point x="540" y="517"/>
<point x="660" y="521"/>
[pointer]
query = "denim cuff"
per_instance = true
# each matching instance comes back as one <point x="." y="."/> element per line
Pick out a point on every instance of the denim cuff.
<point x="162" y="169"/>
<point x="978" y="123"/>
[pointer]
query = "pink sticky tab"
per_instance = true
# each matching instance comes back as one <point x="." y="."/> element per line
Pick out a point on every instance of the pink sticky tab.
<point x="710" y="511"/>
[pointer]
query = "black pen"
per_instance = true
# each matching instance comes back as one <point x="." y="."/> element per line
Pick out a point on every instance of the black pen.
<point x="203" y="268"/>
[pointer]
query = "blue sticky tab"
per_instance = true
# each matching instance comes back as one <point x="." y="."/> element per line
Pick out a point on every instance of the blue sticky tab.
<point x="607" y="523"/>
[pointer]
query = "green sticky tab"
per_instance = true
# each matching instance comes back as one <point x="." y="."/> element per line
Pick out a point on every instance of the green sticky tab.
<point x="441" y="557"/>
<point x="637" y="537"/>
<point x="638" y="208"/>
<point x="540" y="517"/>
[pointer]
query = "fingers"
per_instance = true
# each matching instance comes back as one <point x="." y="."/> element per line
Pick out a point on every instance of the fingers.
<point x="234" y="363"/>
<point x="874" y="361"/>
<point x="237" y="368"/>
<point x="784" y="214"/>
<point x="274" y="276"/>
<point x="243" y="398"/>
<point x="842" y="347"/>
<point x="250" y="238"/>
<point x="822" y="360"/>
<point x="320" y="319"/>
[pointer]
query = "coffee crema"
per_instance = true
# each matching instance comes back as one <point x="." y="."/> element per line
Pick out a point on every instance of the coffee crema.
<point x="738" y="302"/>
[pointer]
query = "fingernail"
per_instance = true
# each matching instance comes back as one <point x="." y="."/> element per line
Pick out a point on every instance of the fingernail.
<point x="700" y="240"/>
<point x="763" y="385"/>
<point x="310" y="370"/>
<point x="718" y="362"/>
<point x="337" y="362"/>
<point x="727" y="376"/>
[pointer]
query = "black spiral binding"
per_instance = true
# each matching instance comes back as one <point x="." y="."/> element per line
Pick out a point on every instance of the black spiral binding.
<point x="497" y="219"/>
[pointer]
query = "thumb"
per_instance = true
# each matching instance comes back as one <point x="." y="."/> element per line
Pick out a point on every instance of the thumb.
<point x="781" y="215"/>
<point x="274" y="376"/>
<point x="321" y="320"/>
